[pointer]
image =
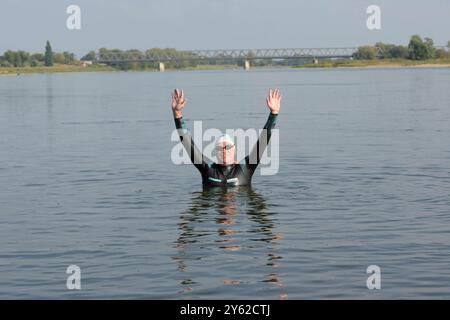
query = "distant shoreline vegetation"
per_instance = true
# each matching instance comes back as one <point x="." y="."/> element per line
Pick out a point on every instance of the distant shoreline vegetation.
<point x="419" y="51"/>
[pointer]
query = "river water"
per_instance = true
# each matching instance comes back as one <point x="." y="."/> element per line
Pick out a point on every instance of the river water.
<point x="86" y="179"/>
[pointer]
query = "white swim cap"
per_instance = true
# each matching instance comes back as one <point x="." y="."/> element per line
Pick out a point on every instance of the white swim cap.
<point x="224" y="138"/>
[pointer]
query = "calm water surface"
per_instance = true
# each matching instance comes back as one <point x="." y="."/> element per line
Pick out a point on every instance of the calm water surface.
<point x="364" y="178"/>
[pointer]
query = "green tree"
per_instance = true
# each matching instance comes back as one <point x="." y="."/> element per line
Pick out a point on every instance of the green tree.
<point x="90" y="56"/>
<point x="442" y="54"/>
<point x="392" y="51"/>
<point x="4" y="62"/>
<point x="23" y="58"/>
<point x="431" y="50"/>
<point x="365" y="53"/>
<point x="69" y="57"/>
<point x="48" y="57"/>
<point x="10" y="57"/>
<point x="17" y="58"/>
<point x="385" y="49"/>
<point x="59" y="58"/>
<point x="419" y="49"/>
<point x="18" y="62"/>
<point x="398" y="52"/>
<point x="37" y="57"/>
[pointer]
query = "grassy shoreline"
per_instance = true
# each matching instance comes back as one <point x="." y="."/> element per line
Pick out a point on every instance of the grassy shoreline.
<point x="401" y="63"/>
<point x="385" y="63"/>
<point x="54" y="69"/>
<point x="10" y="71"/>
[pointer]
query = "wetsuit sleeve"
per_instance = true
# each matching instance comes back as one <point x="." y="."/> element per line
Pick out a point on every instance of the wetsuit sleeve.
<point x="188" y="144"/>
<point x="253" y="159"/>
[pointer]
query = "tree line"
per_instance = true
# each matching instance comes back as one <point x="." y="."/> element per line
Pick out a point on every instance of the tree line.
<point x="417" y="49"/>
<point x="22" y="58"/>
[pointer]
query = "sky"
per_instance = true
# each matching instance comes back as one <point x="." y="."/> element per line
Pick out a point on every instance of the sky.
<point x="217" y="24"/>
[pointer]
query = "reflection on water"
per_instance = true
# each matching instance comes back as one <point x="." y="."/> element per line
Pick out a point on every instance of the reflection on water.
<point x="228" y="221"/>
<point x="86" y="179"/>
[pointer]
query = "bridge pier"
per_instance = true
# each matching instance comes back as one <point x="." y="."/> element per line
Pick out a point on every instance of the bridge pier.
<point x="246" y="65"/>
<point x="162" y="68"/>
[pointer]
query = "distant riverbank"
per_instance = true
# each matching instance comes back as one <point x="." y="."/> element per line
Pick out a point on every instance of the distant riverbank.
<point x="383" y="63"/>
<point x="98" y="68"/>
<point x="400" y="63"/>
<point x="54" y="69"/>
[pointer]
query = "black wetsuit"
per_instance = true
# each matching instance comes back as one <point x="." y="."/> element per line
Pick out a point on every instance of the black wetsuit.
<point x="231" y="175"/>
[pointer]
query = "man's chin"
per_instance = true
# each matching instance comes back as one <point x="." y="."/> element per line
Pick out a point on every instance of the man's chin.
<point x="225" y="163"/>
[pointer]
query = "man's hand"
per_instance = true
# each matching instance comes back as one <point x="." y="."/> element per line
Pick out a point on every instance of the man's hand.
<point x="178" y="103"/>
<point x="274" y="101"/>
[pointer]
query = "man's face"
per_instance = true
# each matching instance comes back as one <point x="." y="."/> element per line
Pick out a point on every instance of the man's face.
<point x="226" y="152"/>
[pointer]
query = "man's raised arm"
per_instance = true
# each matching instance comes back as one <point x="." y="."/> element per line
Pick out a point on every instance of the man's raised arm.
<point x="273" y="103"/>
<point x="196" y="156"/>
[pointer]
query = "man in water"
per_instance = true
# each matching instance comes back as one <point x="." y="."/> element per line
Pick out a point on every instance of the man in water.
<point x="226" y="172"/>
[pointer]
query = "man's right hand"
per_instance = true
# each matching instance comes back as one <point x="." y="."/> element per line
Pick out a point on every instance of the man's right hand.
<point x="178" y="103"/>
<point x="274" y="101"/>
